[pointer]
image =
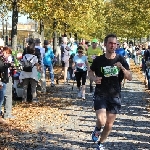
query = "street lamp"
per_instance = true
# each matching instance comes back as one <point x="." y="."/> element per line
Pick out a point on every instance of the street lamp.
<point x="65" y="30"/>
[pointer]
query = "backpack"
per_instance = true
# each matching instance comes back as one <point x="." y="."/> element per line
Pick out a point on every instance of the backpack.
<point x="27" y="67"/>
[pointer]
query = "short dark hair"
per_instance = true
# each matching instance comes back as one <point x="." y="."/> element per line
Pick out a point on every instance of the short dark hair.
<point x="80" y="47"/>
<point x="31" y="49"/>
<point x="31" y="41"/>
<point x="108" y="36"/>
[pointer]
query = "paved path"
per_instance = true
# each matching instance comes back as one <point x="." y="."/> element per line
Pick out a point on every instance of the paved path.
<point x="131" y="130"/>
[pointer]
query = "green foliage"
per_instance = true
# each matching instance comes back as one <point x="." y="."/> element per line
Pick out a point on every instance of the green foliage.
<point x="94" y="18"/>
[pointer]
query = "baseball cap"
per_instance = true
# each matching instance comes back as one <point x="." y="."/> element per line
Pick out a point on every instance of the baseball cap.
<point x="94" y="41"/>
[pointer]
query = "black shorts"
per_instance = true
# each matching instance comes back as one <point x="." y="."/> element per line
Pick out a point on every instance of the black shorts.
<point x="111" y="104"/>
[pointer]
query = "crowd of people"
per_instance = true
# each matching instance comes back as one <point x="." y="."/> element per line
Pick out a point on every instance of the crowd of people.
<point x="105" y="64"/>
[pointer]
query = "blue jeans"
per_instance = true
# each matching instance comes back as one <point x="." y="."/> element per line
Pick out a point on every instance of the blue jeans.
<point x="2" y="93"/>
<point x="51" y="72"/>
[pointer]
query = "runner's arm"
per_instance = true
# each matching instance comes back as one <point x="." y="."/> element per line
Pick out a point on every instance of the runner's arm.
<point x="73" y="66"/>
<point x="125" y="68"/>
<point x="87" y="64"/>
<point x="91" y="72"/>
<point x="127" y="73"/>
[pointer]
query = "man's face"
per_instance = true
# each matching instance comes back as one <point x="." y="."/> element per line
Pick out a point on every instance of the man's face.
<point x="111" y="45"/>
<point x="94" y="45"/>
<point x="124" y="45"/>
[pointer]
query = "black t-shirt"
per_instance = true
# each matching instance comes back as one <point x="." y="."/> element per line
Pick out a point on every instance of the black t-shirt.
<point x="111" y="75"/>
<point x="4" y="71"/>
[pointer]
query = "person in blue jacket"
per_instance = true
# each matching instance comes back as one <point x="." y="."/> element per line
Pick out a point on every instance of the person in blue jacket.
<point x="120" y="50"/>
<point x="48" y="61"/>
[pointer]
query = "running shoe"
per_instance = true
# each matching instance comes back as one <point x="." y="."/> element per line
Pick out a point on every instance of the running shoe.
<point x="100" y="147"/>
<point x="83" y="96"/>
<point x="95" y="134"/>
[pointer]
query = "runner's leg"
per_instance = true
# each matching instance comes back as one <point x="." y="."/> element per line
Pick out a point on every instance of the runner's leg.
<point x="108" y="126"/>
<point x="78" y="76"/>
<point x="84" y="74"/>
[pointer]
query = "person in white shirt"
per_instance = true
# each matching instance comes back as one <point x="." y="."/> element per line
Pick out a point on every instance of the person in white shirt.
<point x="80" y="66"/>
<point x="30" y="77"/>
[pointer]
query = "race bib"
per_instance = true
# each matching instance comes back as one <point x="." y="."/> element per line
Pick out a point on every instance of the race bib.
<point x="110" y="71"/>
<point x="80" y="65"/>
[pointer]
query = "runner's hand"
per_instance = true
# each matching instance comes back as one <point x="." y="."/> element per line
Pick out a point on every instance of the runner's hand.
<point x="74" y="70"/>
<point x="97" y="80"/>
<point x="119" y="65"/>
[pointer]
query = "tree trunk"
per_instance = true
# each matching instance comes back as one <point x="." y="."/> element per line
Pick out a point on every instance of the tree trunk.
<point x="14" y="25"/>
<point x="134" y="41"/>
<point x="54" y="42"/>
<point x="76" y="36"/>
<point x="42" y="31"/>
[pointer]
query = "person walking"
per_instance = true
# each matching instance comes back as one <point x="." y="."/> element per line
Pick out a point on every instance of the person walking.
<point x="31" y="41"/>
<point x="29" y="74"/>
<point x="92" y="52"/>
<point x="4" y="78"/>
<point x="127" y="57"/>
<point x="106" y="71"/>
<point x="8" y="93"/>
<point x="42" y="52"/>
<point x="65" y="55"/>
<point x="48" y="61"/>
<point x="80" y="66"/>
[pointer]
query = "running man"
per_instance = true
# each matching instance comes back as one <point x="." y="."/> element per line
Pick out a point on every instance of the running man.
<point x="92" y="52"/>
<point x="106" y="71"/>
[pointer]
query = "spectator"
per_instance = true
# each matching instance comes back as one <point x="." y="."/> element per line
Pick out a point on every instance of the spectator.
<point x="4" y="65"/>
<point x="29" y="75"/>
<point x="8" y="93"/>
<point x="31" y="41"/>
<point x="65" y="55"/>
<point x="120" y="50"/>
<point x="48" y="61"/>
<point x="42" y="52"/>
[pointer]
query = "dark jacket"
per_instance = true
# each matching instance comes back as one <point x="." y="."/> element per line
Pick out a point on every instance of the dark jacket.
<point x="4" y="71"/>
